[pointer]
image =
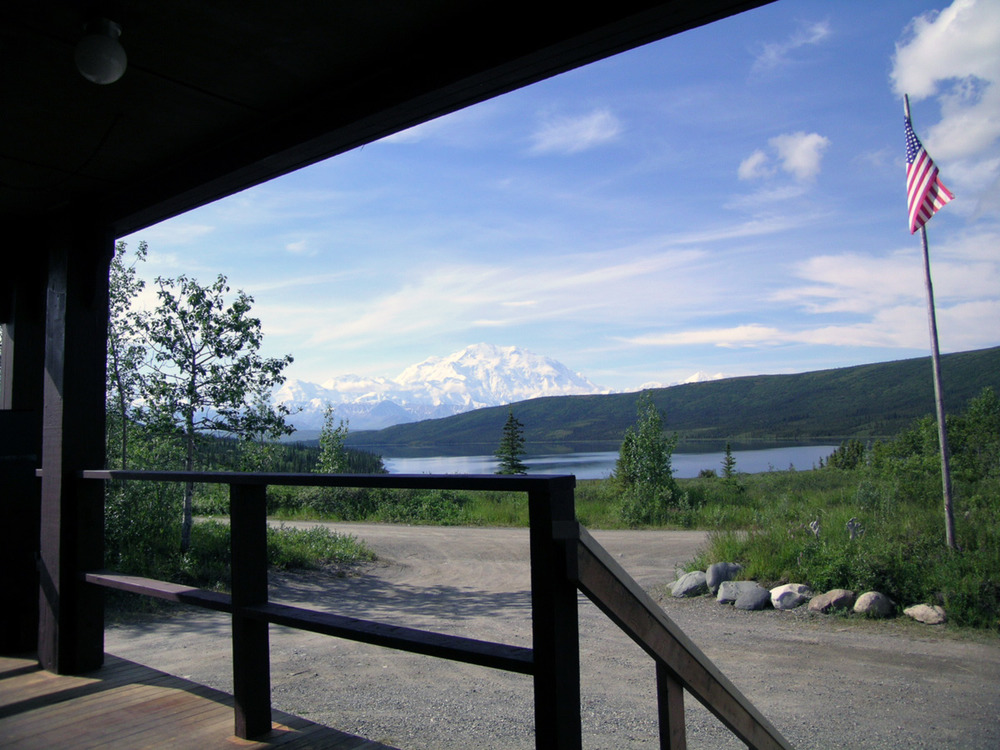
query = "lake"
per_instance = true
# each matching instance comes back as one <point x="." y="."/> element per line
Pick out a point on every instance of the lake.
<point x="599" y="464"/>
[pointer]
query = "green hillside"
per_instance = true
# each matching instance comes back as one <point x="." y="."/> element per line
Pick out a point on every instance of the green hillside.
<point x="862" y="401"/>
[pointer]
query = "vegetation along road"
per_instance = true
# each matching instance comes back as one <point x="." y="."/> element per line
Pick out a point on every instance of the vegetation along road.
<point x="824" y="681"/>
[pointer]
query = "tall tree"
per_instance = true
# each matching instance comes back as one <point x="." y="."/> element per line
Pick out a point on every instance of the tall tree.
<point x="644" y="468"/>
<point x="126" y="351"/>
<point x="332" y="452"/>
<point x="511" y="447"/>
<point x="728" y="463"/>
<point x="206" y="372"/>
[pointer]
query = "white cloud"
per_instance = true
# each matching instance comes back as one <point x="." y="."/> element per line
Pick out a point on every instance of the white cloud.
<point x="570" y="135"/>
<point x="954" y="55"/>
<point x="864" y="284"/>
<point x="299" y="247"/>
<point x="776" y="54"/>
<point x="800" y="153"/>
<point x="963" y="326"/>
<point x="754" y="166"/>
<point x="962" y="40"/>
<point x="730" y="338"/>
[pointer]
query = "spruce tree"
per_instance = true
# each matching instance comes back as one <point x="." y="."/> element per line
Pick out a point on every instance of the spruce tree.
<point x="728" y="463"/>
<point x="511" y="447"/>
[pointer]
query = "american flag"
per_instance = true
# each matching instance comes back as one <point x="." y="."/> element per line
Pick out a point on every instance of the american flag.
<point x="925" y="193"/>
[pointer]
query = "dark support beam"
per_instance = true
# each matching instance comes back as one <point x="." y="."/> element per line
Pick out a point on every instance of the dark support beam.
<point x="251" y="654"/>
<point x="21" y="367"/>
<point x="670" y="706"/>
<point x="555" y="626"/>
<point x="71" y="615"/>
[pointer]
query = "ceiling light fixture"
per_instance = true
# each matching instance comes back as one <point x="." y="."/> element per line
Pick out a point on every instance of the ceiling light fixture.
<point x="100" y="58"/>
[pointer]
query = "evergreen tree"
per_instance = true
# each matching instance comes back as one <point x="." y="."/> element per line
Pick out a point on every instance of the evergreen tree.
<point x="728" y="463"/>
<point x="511" y="447"/>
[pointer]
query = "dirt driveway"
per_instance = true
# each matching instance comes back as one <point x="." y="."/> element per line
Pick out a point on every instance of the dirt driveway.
<point x="825" y="682"/>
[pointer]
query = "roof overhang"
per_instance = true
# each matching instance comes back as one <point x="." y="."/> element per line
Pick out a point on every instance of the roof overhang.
<point x="220" y="96"/>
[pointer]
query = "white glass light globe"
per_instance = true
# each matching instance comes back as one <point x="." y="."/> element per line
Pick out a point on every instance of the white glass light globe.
<point x="99" y="57"/>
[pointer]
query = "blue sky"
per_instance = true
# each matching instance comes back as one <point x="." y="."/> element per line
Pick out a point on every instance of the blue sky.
<point x="730" y="200"/>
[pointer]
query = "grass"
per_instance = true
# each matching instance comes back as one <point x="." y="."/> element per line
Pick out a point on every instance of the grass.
<point x="208" y="562"/>
<point x="763" y="522"/>
<point x="901" y="551"/>
<point x="784" y="526"/>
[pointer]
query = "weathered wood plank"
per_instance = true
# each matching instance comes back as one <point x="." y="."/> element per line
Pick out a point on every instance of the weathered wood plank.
<point x="485" y="482"/>
<point x="71" y="616"/>
<point x="126" y="705"/>
<point x="251" y="651"/>
<point x="670" y="708"/>
<point x="611" y="588"/>
<point x="457" y="648"/>
<point x="173" y="592"/>
<point x="554" y="621"/>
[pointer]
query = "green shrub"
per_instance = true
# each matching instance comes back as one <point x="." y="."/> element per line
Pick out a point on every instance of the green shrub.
<point x="142" y="527"/>
<point x="208" y="562"/>
<point x="442" y="507"/>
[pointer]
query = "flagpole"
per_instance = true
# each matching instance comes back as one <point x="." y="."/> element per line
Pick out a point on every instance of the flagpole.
<point x="949" y="515"/>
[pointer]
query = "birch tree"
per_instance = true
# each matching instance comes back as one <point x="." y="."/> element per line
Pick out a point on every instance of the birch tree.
<point x="206" y="373"/>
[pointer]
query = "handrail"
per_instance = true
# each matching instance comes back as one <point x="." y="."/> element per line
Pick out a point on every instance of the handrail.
<point x="485" y="482"/>
<point x="564" y="558"/>
<point x="617" y="594"/>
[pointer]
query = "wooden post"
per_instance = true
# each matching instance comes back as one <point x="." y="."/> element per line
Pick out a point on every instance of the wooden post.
<point x="949" y="514"/>
<point x="670" y="705"/>
<point x="251" y="652"/>
<point x="22" y="295"/>
<point x="71" y="614"/>
<point x="555" y="625"/>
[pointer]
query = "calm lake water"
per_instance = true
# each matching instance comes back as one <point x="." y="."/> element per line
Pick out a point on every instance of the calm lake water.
<point x="599" y="464"/>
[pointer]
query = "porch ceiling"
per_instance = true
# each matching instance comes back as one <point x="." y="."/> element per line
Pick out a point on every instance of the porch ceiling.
<point x="222" y="95"/>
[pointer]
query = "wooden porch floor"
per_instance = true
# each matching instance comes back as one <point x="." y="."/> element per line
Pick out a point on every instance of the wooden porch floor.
<point x="127" y="705"/>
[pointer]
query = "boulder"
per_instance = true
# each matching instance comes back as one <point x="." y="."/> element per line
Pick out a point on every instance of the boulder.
<point x="832" y="600"/>
<point x="790" y="595"/>
<point x="717" y="573"/>
<point x="729" y="591"/>
<point x="929" y="614"/>
<point x="874" y="604"/>
<point x="690" y="584"/>
<point x="754" y="598"/>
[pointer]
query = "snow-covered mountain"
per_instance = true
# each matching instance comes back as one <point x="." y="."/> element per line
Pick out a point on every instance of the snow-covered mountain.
<point x="698" y="377"/>
<point x="475" y="377"/>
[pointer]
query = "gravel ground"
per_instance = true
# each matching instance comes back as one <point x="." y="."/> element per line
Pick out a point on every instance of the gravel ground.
<point x="824" y="682"/>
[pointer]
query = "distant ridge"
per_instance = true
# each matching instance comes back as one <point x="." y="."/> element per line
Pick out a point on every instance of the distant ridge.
<point x="861" y="401"/>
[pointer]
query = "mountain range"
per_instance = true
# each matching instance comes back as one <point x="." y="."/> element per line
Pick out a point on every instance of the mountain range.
<point x="863" y="401"/>
<point x="475" y="377"/>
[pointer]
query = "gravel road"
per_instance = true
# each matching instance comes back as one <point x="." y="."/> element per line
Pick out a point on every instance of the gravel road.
<point x="825" y="682"/>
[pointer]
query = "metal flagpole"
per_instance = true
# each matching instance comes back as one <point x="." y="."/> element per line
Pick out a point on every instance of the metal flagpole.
<point x="949" y="515"/>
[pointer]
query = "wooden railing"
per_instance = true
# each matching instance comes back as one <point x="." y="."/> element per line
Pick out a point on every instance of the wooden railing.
<point x="563" y="557"/>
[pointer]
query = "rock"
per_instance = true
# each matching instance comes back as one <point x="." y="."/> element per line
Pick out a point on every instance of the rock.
<point x="929" y="614"/>
<point x="690" y="584"/>
<point x="719" y="572"/>
<point x="730" y="591"/>
<point x="832" y="600"/>
<point x="754" y="599"/>
<point x="874" y="604"/>
<point x="790" y="595"/>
